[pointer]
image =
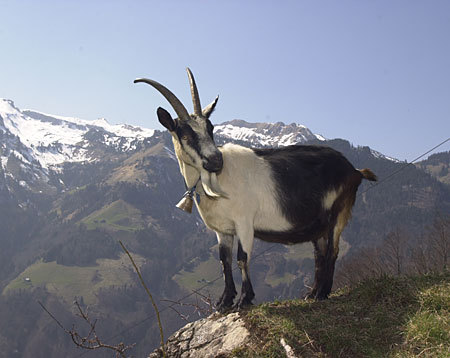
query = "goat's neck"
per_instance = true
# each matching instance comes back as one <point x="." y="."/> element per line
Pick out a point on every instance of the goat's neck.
<point x="189" y="173"/>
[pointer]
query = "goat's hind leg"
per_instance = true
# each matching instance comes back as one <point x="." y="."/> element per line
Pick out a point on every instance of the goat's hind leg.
<point x="326" y="250"/>
<point x="225" y="254"/>
<point x="325" y="258"/>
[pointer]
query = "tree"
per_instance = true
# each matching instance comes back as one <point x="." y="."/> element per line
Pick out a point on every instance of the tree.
<point x="439" y="240"/>
<point x="393" y="251"/>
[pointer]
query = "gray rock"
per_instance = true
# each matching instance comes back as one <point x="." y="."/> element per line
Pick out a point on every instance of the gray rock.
<point x="207" y="338"/>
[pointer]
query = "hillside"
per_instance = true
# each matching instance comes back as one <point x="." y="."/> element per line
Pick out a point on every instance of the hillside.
<point x="395" y="317"/>
<point x="437" y="165"/>
<point x="384" y="317"/>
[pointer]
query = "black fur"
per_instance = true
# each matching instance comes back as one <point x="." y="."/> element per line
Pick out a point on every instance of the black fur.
<point x="165" y="119"/>
<point x="210" y="128"/>
<point x="247" y="293"/>
<point x="324" y="269"/>
<point x="303" y="175"/>
<point x="229" y="293"/>
<point x="186" y="133"/>
<point x="188" y="137"/>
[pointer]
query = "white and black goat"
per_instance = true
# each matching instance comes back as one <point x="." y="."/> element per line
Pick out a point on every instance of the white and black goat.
<point x="287" y="195"/>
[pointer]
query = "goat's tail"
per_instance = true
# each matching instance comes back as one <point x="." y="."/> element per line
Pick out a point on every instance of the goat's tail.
<point x="368" y="174"/>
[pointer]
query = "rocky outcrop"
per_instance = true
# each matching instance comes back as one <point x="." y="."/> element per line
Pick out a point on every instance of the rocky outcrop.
<point x="207" y="338"/>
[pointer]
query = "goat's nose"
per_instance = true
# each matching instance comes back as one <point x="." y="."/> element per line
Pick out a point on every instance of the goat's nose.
<point x="214" y="163"/>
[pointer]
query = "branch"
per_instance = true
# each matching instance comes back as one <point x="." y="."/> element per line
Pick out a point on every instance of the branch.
<point x="86" y="342"/>
<point x="150" y="296"/>
<point x="200" y="309"/>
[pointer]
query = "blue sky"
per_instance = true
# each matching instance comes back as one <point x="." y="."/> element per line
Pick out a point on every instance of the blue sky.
<point x="374" y="72"/>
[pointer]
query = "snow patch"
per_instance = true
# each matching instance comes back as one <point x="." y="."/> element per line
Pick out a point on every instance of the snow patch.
<point x="52" y="140"/>
<point x="266" y="134"/>
<point x="380" y="155"/>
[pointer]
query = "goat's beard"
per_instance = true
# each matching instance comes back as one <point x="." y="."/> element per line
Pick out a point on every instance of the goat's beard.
<point x="211" y="185"/>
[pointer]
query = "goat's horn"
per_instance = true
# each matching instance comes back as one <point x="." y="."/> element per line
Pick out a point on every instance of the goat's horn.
<point x="194" y="93"/>
<point x="181" y="111"/>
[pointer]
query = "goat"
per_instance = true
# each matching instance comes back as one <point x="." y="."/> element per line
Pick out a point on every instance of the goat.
<point x="286" y="195"/>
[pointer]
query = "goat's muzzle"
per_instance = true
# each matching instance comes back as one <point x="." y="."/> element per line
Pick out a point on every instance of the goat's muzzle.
<point x="213" y="163"/>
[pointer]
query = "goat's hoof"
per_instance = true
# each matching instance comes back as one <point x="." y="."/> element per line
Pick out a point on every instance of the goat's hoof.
<point x="223" y="306"/>
<point x="311" y="295"/>
<point x="224" y="309"/>
<point x="242" y="305"/>
<point x="317" y="296"/>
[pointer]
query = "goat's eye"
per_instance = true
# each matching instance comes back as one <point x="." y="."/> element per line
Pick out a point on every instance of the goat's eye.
<point x="185" y="137"/>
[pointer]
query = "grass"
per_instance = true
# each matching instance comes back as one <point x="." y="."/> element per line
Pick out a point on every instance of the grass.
<point x="200" y="275"/>
<point x="304" y="251"/>
<point x="130" y="170"/>
<point x="436" y="171"/>
<point x="275" y="280"/>
<point x="209" y="270"/>
<point x="388" y="317"/>
<point x="68" y="282"/>
<point x="118" y="216"/>
<point x="428" y="330"/>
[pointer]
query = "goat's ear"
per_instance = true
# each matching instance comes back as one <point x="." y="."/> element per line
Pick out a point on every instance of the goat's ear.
<point x="165" y="119"/>
<point x="207" y="111"/>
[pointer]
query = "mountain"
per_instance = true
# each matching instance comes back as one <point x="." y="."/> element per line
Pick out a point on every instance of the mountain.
<point x="34" y="146"/>
<point x="37" y="149"/>
<point x="438" y="165"/>
<point x="49" y="141"/>
<point x="265" y="134"/>
<point x="71" y="189"/>
<point x="277" y="134"/>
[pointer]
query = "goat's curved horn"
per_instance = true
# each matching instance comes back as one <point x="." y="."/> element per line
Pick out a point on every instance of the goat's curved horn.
<point x="181" y="111"/>
<point x="194" y="93"/>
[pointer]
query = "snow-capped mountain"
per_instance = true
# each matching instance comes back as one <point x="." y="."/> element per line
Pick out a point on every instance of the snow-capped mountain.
<point x="265" y="134"/>
<point x="35" y="147"/>
<point x="48" y="141"/>
<point x="271" y="135"/>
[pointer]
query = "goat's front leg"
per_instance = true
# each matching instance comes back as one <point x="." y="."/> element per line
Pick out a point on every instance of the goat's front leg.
<point x="245" y="245"/>
<point x="225" y="255"/>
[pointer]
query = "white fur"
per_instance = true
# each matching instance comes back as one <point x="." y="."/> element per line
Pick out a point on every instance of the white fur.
<point x="251" y="202"/>
<point x="211" y="184"/>
<point x="329" y="198"/>
<point x="247" y="180"/>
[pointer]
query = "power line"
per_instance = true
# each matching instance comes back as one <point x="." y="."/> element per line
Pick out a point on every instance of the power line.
<point x="395" y="172"/>
<point x="262" y="252"/>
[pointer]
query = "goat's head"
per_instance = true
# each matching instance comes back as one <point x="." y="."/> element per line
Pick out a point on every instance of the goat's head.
<point x="192" y="134"/>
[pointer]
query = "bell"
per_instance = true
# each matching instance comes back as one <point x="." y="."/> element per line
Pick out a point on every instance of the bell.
<point x="186" y="202"/>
